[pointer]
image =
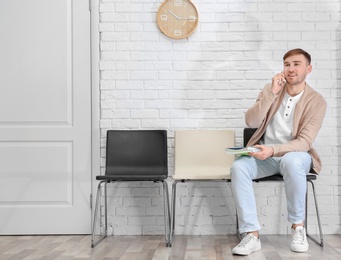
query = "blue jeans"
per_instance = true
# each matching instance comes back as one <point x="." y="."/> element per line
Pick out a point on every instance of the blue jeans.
<point x="293" y="166"/>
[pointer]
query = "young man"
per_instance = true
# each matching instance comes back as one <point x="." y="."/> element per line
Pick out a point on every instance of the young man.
<point x="288" y="114"/>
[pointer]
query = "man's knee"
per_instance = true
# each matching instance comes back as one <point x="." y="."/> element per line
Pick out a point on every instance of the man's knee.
<point x="241" y="167"/>
<point x="294" y="163"/>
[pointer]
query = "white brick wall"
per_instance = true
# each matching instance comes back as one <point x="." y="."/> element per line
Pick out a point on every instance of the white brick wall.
<point x="149" y="81"/>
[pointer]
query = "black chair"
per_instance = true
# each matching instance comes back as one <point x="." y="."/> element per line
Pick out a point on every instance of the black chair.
<point x="247" y="134"/>
<point x="133" y="155"/>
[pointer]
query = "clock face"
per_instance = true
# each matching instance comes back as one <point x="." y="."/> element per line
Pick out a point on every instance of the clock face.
<point x="177" y="19"/>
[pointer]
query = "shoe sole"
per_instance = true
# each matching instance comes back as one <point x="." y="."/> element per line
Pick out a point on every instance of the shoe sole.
<point x="300" y="251"/>
<point x="257" y="249"/>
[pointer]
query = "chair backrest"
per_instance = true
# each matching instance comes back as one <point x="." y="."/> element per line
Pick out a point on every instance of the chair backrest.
<point x="200" y="154"/>
<point x="247" y="134"/>
<point x="137" y="153"/>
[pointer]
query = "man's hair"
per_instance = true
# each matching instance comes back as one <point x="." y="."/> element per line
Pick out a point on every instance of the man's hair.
<point x="296" y="52"/>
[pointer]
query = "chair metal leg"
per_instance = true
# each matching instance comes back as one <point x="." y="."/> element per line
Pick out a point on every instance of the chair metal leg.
<point x="237" y="227"/>
<point x="171" y="233"/>
<point x="317" y="215"/>
<point x="94" y="242"/>
<point x="167" y="215"/>
<point x="240" y="236"/>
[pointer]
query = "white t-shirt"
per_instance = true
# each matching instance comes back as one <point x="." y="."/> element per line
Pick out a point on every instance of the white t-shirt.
<point x="279" y="130"/>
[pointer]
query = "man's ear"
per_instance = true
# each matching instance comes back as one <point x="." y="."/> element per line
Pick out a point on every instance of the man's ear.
<point x="309" y="68"/>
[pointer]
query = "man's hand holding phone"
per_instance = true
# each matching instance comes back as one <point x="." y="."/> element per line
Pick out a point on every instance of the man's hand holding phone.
<point x="278" y="82"/>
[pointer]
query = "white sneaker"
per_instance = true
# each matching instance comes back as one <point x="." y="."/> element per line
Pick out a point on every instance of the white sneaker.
<point x="248" y="245"/>
<point x="299" y="241"/>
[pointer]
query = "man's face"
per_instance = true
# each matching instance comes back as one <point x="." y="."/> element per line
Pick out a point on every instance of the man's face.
<point x="296" y="68"/>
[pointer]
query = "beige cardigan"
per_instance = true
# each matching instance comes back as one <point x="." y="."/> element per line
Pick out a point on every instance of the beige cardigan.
<point x="308" y="118"/>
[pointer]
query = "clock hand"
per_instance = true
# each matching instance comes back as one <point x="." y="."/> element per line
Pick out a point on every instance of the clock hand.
<point x="189" y="18"/>
<point x="177" y="17"/>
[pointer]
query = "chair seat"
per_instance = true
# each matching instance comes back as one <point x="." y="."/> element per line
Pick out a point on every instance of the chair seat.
<point x="203" y="177"/>
<point x="202" y="174"/>
<point x="118" y="177"/>
<point x="278" y="177"/>
<point x="136" y="170"/>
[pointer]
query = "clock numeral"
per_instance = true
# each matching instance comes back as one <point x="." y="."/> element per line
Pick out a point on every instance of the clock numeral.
<point x="178" y="2"/>
<point x="192" y="18"/>
<point x="164" y="17"/>
<point x="177" y="33"/>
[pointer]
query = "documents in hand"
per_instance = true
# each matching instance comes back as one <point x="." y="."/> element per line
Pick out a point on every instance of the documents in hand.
<point x="241" y="150"/>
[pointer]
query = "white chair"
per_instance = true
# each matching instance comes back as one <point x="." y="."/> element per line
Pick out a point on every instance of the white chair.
<point x="200" y="156"/>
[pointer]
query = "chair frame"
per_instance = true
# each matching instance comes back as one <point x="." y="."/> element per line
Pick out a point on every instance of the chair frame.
<point x="248" y="132"/>
<point x="171" y="236"/>
<point x="128" y="174"/>
<point x="103" y="185"/>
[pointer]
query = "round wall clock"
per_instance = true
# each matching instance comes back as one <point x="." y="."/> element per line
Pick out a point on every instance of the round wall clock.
<point x="177" y="19"/>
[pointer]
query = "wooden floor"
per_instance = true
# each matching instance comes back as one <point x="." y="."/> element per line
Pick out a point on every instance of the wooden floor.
<point x="153" y="247"/>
